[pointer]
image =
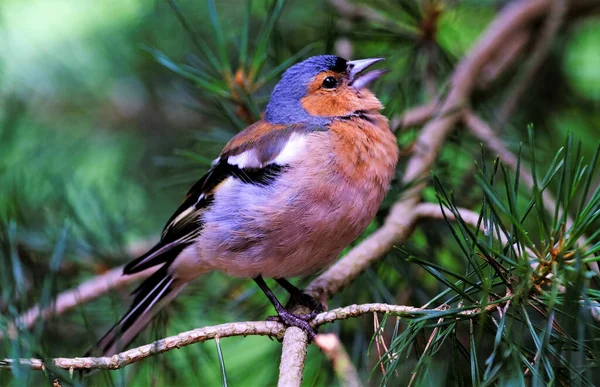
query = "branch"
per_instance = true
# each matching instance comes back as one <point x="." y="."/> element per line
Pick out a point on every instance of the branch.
<point x="506" y="56"/>
<point x="358" y="310"/>
<point x="86" y="291"/>
<point x="484" y="132"/>
<point x="434" y="211"/>
<point x="293" y="355"/>
<point x="120" y="360"/>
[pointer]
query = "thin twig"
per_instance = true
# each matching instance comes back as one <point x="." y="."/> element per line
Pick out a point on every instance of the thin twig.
<point x="433" y="211"/>
<point x="378" y="340"/>
<point x="87" y="291"/>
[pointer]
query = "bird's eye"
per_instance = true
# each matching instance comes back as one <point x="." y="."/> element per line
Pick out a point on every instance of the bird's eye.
<point x="330" y="83"/>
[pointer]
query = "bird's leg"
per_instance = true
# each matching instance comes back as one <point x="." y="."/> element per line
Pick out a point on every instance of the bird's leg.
<point x="298" y="297"/>
<point x="286" y="317"/>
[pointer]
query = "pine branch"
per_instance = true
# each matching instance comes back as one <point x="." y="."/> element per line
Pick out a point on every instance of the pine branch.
<point x="482" y="130"/>
<point x="293" y="352"/>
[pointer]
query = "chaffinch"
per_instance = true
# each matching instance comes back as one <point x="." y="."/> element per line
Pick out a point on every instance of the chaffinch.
<point x="283" y="199"/>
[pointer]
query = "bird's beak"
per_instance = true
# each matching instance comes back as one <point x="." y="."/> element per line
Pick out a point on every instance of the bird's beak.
<point x="355" y="67"/>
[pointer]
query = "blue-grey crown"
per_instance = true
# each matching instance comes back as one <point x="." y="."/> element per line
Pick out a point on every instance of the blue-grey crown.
<point x="285" y="106"/>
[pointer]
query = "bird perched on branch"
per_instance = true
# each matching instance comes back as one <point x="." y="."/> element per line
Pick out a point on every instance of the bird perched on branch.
<point x="283" y="199"/>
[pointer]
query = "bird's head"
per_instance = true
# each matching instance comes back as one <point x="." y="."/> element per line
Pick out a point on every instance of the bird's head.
<point x="321" y="88"/>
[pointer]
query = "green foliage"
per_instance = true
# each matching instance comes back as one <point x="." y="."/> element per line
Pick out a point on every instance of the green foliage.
<point x="108" y="115"/>
<point x="581" y="59"/>
<point x="525" y="301"/>
<point x="234" y="93"/>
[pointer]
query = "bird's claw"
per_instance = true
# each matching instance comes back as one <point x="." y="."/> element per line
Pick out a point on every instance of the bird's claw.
<point x="304" y="317"/>
<point x="300" y="321"/>
<point x="308" y="317"/>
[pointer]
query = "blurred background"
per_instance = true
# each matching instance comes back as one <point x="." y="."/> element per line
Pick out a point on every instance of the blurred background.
<point x="110" y="110"/>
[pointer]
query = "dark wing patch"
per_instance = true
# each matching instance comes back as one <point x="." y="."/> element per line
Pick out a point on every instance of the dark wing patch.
<point x="257" y="176"/>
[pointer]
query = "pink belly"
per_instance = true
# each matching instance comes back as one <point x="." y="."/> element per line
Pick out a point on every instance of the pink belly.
<point x="288" y="233"/>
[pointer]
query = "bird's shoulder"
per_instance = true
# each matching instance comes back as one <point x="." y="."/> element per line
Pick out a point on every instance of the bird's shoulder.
<point x="263" y="143"/>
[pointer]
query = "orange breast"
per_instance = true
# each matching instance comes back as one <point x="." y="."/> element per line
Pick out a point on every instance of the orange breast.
<point x="351" y="167"/>
<point x="365" y="148"/>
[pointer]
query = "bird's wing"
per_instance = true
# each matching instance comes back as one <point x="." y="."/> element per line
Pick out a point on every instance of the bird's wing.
<point x="255" y="156"/>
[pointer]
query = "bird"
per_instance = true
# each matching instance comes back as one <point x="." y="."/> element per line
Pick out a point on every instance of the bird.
<point x="283" y="199"/>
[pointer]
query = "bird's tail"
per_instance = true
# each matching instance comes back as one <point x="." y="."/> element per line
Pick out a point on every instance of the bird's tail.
<point x="149" y="298"/>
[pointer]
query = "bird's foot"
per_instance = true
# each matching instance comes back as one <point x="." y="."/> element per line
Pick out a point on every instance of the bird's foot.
<point x="284" y="315"/>
<point x="299" y="321"/>
<point x="304" y="317"/>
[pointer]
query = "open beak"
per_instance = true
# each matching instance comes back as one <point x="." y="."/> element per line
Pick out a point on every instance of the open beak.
<point x="356" y="67"/>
